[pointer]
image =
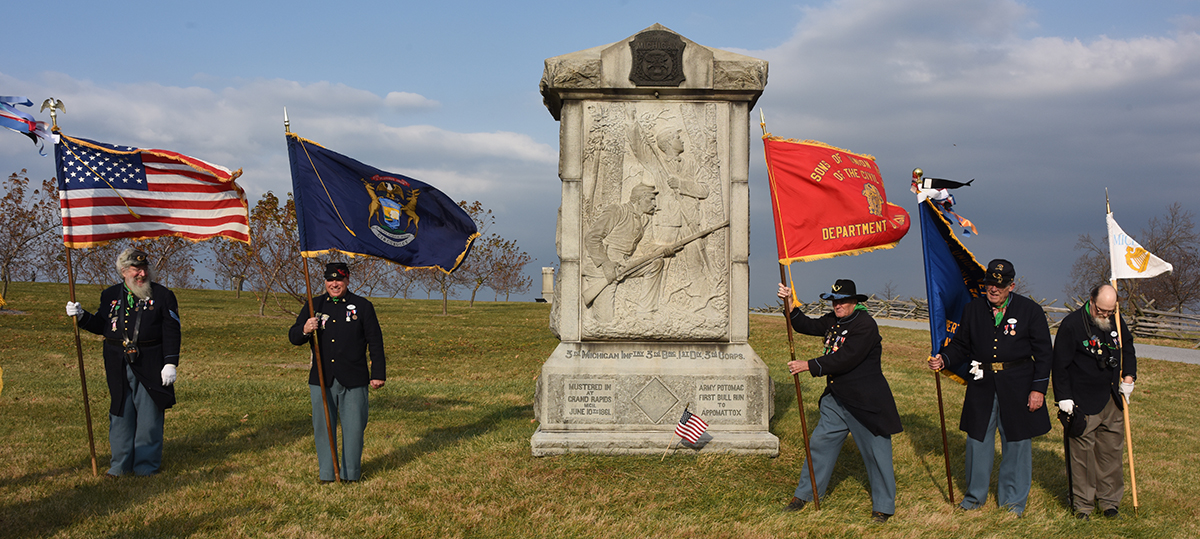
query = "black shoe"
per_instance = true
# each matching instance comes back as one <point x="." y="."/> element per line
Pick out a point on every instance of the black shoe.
<point x="1083" y="516"/>
<point x="795" y="505"/>
<point x="880" y="517"/>
<point x="1112" y="512"/>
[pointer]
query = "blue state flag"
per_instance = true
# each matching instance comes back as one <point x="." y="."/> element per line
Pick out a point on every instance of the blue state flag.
<point x="346" y="206"/>
<point x="952" y="279"/>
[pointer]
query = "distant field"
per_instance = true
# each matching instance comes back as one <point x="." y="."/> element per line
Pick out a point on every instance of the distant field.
<point x="447" y="451"/>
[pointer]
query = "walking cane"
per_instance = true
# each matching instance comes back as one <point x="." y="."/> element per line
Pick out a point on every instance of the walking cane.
<point x="787" y="320"/>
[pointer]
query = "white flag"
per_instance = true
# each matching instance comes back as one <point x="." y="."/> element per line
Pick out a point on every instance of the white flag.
<point x="1128" y="259"/>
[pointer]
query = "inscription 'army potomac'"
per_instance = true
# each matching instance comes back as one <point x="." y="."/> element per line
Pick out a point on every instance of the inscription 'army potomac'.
<point x="717" y="399"/>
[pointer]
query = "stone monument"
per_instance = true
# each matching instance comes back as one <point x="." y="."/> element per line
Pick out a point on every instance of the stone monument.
<point x="651" y="299"/>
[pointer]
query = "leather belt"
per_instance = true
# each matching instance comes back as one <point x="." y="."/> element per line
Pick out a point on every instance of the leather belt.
<point x="997" y="367"/>
<point x="119" y="342"/>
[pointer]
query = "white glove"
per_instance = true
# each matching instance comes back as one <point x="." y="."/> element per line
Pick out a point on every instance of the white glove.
<point x="976" y="370"/>
<point x="1067" y="405"/>
<point x="1127" y="390"/>
<point x="168" y="374"/>
<point x="73" y="308"/>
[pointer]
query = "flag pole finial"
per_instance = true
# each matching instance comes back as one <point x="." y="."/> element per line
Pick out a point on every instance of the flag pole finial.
<point x="762" y="121"/>
<point x="287" y="126"/>
<point x="1107" y="207"/>
<point x="54" y="105"/>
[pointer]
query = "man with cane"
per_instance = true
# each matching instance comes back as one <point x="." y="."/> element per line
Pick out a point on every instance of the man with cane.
<point x="1091" y="383"/>
<point x="857" y="398"/>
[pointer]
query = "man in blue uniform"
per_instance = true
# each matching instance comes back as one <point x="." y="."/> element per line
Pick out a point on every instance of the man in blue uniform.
<point x="857" y="398"/>
<point x="348" y="329"/>
<point x="139" y="320"/>
<point x="1005" y="338"/>
<point x="1090" y="379"/>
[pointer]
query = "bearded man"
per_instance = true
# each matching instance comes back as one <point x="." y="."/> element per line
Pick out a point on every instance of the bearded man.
<point x="1093" y="378"/>
<point x="139" y="320"/>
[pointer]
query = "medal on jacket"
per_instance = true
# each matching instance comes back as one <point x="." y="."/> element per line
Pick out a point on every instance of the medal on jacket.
<point x="1010" y="327"/>
<point x="324" y="317"/>
<point x="351" y="312"/>
<point x="112" y="314"/>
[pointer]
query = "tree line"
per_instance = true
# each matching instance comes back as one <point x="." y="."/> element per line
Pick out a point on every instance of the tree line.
<point x="270" y="267"/>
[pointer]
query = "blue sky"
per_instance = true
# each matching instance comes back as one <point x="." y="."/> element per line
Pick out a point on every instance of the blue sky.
<point x="1044" y="103"/>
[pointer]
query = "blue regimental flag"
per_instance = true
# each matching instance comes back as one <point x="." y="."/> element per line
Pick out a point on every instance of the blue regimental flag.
<point x="952" y="278"/>
<point x="346" y="206"/>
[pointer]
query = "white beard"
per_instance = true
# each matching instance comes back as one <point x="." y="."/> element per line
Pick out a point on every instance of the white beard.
<point x="1102" y="323"/>
<point x="141" y="291"/>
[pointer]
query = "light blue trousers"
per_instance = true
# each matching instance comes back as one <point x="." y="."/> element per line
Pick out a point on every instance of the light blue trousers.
<point x="349" y="407"/>
<point x="1016" y="468"/>
<point x="136" y="436"/>
<point x="826" y="443"/>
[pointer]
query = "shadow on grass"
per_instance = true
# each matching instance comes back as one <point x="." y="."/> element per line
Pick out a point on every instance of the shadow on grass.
<point x="925" y="434"/>
<point x="436" y="439"/>
<point x="191" y="460"/>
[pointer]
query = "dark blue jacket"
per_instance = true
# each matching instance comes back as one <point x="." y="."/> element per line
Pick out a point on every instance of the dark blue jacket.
<point x="158" y="342"/>
<point x="1023" y="337"/>
<point x="349" y="330"/>
<point x="853" y="367"/>
<point x="1079" y="375"/>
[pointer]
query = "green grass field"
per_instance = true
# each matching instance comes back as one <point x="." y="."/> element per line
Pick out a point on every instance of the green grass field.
<point x="447" y="451"/>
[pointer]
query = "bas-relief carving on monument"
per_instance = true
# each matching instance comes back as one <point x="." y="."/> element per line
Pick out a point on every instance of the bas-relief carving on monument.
<point x="650" y="299"/>
<point x="651" y="180"/>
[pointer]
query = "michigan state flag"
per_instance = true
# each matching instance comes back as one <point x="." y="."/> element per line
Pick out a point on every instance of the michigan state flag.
<point x="346" y="206"/>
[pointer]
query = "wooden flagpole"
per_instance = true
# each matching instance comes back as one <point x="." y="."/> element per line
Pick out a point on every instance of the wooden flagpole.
<point x="55" y="105"/>
<point x="316" y="348"/>
<point x="87" y="407"/>
<point x="937" y="379"/>
<point x="787" y="322"/>
<point x="1120" y="375"/>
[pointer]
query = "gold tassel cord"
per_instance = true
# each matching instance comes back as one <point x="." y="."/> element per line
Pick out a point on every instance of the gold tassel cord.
<point x="327" y="195"/>
<point x="103" y="179"/>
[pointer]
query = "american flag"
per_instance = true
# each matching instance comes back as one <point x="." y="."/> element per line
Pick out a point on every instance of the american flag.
<point x="109" y="192"/>
<point x="690" y="427"/>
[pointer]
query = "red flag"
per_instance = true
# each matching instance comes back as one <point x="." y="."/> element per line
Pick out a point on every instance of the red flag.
<point x="828" y="202"/>
<point x="111" y="192"/>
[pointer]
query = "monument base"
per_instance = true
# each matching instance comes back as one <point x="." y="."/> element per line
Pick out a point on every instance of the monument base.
<point x="625" y="398"/>
<point x="652" y="443"/>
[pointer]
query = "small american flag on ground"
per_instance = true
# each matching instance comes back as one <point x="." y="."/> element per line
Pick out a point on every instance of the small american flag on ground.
<point x="109" y="192"/>
<point x="690" y="427"/>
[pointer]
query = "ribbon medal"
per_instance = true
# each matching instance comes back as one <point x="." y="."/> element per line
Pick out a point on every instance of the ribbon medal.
<point x="1010" y="327"/>
<point x="351" y="312"/>
<point x="324" y="317"/>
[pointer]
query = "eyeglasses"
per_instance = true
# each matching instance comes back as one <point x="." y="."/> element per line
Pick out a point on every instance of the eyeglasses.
<point x="1103" y="312"/>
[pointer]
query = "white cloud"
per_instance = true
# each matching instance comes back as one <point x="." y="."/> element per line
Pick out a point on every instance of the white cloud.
<point x="407" y="100"/>
<point x="241" y="126"/>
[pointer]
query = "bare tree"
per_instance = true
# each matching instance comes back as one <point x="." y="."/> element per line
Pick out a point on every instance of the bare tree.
<point x="26" y="218"/>
<point x="890" y="290"/>
<point x="230" y="262"/>
<point x="275" y="263"/>
<point x="1174" y="238"/>
<point x="509" y="277"/>
<point x="1171" y="237"/>
<point x="174" y="259"/>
